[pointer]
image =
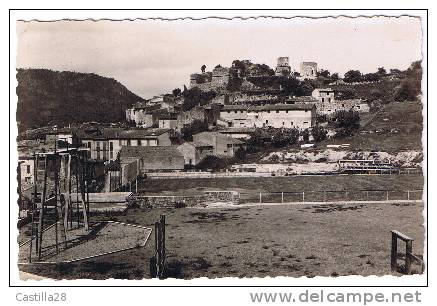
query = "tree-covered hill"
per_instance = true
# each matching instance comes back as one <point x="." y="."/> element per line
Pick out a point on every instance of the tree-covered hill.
<point x="47" y="97"/>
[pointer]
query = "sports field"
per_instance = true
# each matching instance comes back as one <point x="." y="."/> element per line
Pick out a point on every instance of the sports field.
<point x="282" y="184"/>
<point x="288" y="240"/>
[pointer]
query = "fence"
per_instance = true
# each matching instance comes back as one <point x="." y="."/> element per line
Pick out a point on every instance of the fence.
<point x="409" y="256"/>
<point x="330" y="196"/>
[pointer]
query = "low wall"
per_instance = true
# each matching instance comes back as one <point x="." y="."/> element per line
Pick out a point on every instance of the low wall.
<point x="202" y="199"/>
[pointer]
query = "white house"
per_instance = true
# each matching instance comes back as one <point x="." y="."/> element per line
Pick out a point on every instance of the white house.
<point x="299" y="116"/>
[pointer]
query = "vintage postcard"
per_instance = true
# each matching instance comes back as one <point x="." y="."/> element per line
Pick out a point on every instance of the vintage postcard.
<point x="152" y="148"/>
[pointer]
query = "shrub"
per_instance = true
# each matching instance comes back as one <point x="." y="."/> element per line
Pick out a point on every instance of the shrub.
<point x="407" y="91"/>
<point x="283" y="137"/>
<point x="305" y="135"/>
<point x="319" y="133"/>
<point x="347" y="122"/>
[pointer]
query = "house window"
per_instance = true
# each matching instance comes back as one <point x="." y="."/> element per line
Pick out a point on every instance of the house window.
<point x="138" y="142"/>
<point x="111" y="150"/>
<point x="305" y="122"/>
<point x="323" y="99"/>
<point x="277" y="112"/>
<point x="235" y="111"/>
<point x="286" y="111"/>
<point x="241" y="111"/>
<point x="229" y="112"/>
<point x="267" y="121"/>
<point x="27" y="168"/>
<point x="283" y="123"/>
<point x="291" y="123"/>
<point x="256" y="116"/>
<point x="128" y="142"/>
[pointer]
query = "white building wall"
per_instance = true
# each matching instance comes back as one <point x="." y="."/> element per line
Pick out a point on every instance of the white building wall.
<point x="301" y="119"/>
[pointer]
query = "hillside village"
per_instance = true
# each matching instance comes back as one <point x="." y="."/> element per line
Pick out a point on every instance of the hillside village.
<point x="242" y="118"/>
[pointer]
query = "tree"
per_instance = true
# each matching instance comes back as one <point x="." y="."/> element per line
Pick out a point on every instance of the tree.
<point x="283" y="137"/>
<point x="194" y="127"/>
<point x="203" y="68"/>
<point x="176" y="92"/>
<point x="347" y="122"/>
<point x="305" y="135"/>
<point x="194" y="97"/>
<point x="352" y="76"/>
<point x="324" y="73"/>
<point x="371" y="77"/>
<point x="407" y="91"/>
<point x="255" y="141"/>
<point x="319" y="133"/>
<point x="334" y="77"/>
<point x="382" y="71"/>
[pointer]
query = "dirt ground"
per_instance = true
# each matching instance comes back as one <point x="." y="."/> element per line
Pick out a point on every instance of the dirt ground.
<point x="308" y="240"/>
<point x="282" y="184"/>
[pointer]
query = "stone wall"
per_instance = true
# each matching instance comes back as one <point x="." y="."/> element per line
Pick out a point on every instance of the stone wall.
<point x="208" y="197"/>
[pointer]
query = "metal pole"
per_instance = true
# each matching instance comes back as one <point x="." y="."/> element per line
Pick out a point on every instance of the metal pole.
<point x="56" y="200"/>
<point x="303" y="196"/>
<point x="41" y="213"/>
<point x="408" y="194"/>
<point x="260" y="198"/>
<point x="282" y="197"/>
<point x="77" y="189"/>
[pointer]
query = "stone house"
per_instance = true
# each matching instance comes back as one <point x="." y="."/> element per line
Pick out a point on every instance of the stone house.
<point x="167" y="121"/>
<point x="153" y="158"/>
<point x="301" y="116"/>
<point x="194" y="152"/>
<point x="106" y="143"/>
<point x="142" y="114"/>
<point x="324" y="95"/>
<point x="222" y="145"/>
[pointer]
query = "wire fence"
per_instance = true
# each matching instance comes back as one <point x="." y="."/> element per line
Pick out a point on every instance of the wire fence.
<point x="330" y="196"/>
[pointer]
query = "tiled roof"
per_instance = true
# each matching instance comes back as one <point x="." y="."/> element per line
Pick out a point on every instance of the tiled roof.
<point x="238" y="130"/>
<point x="201" y="144"/>
<point x="119" y="133"/>
<point x="208" y="137"/>
<point x="150" y="152"/>
<point x="269" y="107"/>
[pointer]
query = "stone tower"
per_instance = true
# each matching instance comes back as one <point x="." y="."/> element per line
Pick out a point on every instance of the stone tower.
<point x="308" y="70"/>
<point x="283" y="67"/>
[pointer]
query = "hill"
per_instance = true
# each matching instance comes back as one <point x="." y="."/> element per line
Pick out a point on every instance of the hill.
<point x="47" y="97"/>
<point x="396" y="127"/>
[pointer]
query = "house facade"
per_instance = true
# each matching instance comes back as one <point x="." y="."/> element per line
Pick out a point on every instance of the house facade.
<point x="276" y="115"/>
<point x="152" y="159"/>
<point x="222" y="145"/>
<point x="195" y="152"/>
<point x="106" y="143"/>
<point x="324" y="95"/>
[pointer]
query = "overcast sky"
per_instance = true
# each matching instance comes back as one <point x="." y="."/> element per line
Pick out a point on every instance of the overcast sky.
<point x="151" y="57"/>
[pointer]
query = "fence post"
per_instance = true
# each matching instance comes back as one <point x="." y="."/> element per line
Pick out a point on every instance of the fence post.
<point x="260" y="197"/>
<point x="282" y="197"/>
<point x="408" y="252"/>
<point x="346" y="194"/>
<point x="387" y="195"/>
<point x="394" y="251"/>
<point x="303" y="196"/>
<point x="408" y="194"/>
